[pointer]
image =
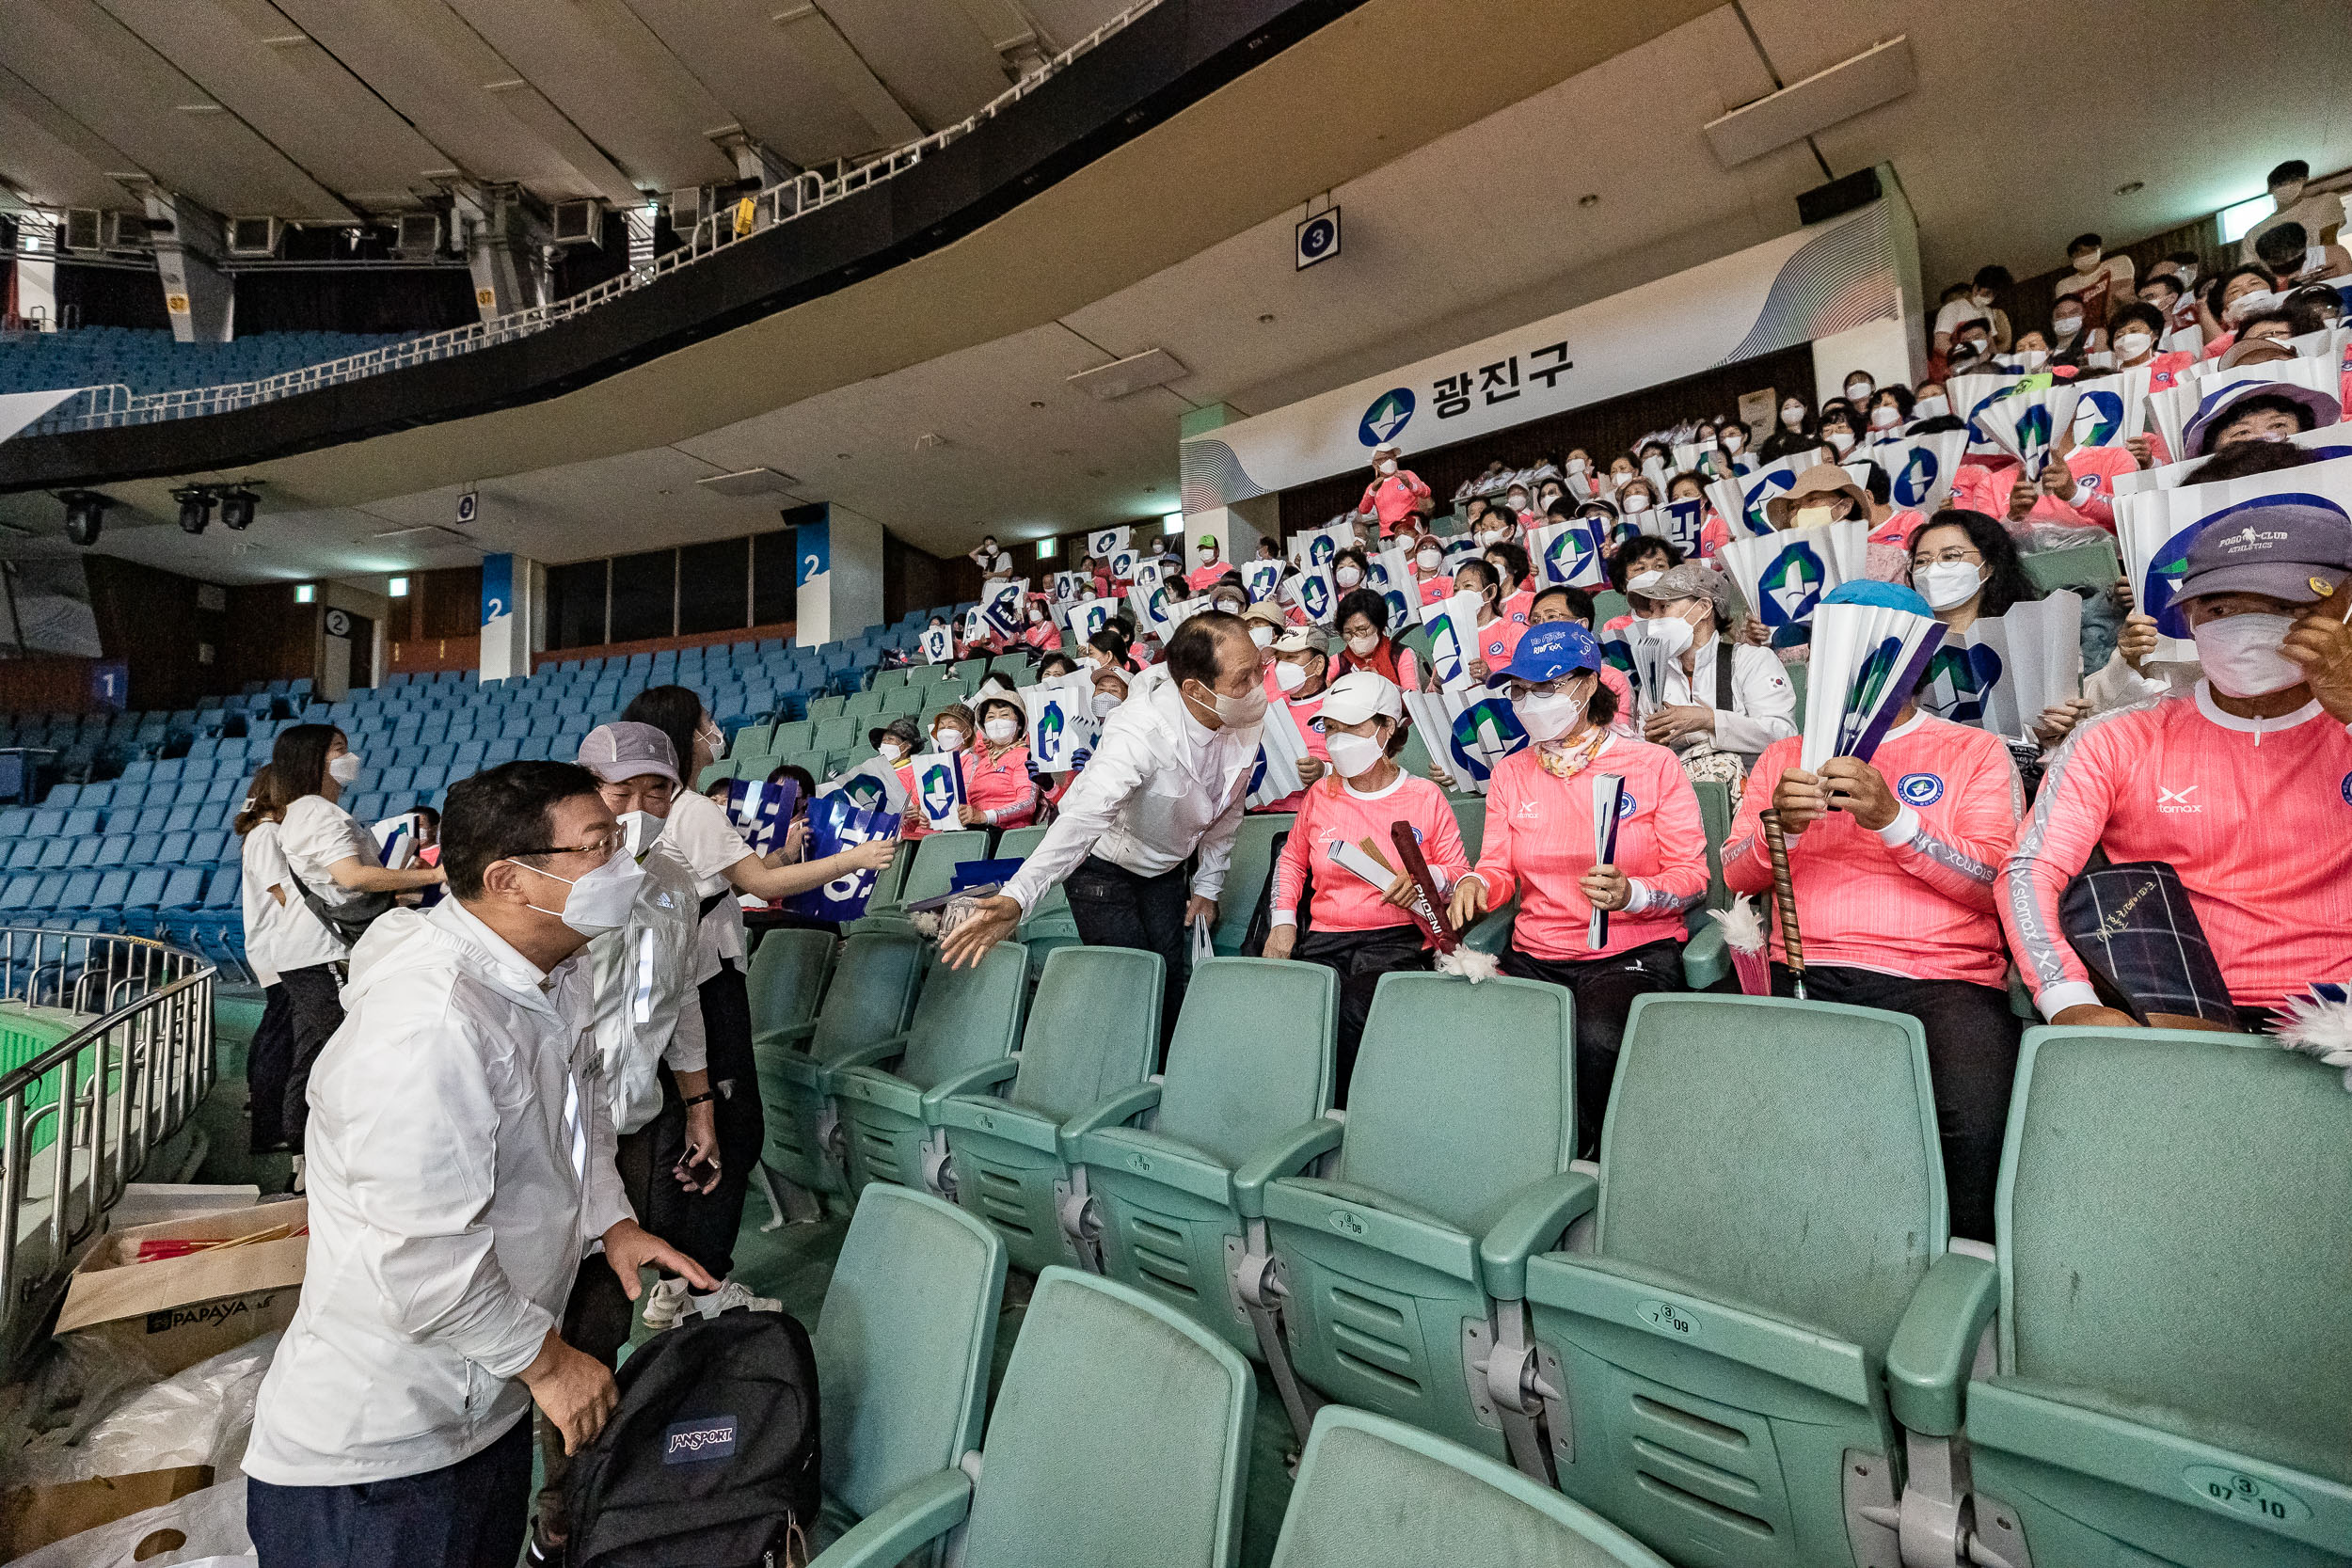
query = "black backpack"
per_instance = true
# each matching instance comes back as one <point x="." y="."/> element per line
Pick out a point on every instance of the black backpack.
<point x="711" y="1459"/>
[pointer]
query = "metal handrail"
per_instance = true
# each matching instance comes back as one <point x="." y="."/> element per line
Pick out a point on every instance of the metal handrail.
<point x="151" y="1059"/>
<point x="111" y="407"/>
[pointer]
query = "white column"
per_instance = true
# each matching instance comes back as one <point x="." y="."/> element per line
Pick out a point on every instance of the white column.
<point x="511" y="589"/>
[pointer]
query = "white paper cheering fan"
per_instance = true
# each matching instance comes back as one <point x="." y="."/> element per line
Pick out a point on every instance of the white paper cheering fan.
<point x="1870" y="650"/>
<point x="2319" y="1023"/>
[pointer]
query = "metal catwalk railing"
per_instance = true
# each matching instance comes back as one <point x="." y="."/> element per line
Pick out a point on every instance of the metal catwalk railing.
<point x="109" y="406"/>
<point x="79" y="1119"/>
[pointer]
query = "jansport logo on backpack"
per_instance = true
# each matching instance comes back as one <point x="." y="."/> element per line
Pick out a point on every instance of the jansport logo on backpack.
<point x="699" y="1442"/>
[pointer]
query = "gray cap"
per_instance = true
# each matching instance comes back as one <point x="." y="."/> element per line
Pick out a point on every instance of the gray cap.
<point x="901" y="728"/>
<point x="2297" y="551"/>
<point x="627" y="749"/>
<point x="1303" y="639"/>
<point x="1688" y="580"/>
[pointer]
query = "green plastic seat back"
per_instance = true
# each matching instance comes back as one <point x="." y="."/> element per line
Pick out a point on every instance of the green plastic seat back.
<point x="2175" y="1218"/>
<point x="903" y="1344"/>
<point x="1246" y="876"/>
<point x="936" y="857"/>
<point x="1469" y="816"/>
<point x="1252" y="1055"/>
<point x="1093" y="1029"/>
<point x="1372" y="1489"/>
<point x="873" y="986"/>
<point x="966" y="1016"/>
<point x="1715" y="817"/>
<point x="1413" y="757"/>
<point x="1117" y="1438"/>
<point x="1462" y="1095"/>
<point x="786" y="978"/>
<point x="885" y="679"/>
<point x="1781" y="1155"/>
<point x="1796" y="674"/>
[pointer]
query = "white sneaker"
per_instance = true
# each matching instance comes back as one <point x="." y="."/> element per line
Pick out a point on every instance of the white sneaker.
<point x="730" y="1294"/>
<point x="665" y="1304"/>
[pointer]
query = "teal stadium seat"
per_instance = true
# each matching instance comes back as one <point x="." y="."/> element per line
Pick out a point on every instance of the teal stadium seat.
<point x="904" y="1345"/>
<point x="931" y="871"/>
<point x="1092" y="1036"/>
<point x="1372" y="1489"/>
<point x="1117" y="1439"/>
<point x="1249" y="1072"/>
<point x="964" y="1018"/>
<point x="2168" y="1382"/>
<point x="1708" y="1371"/>
<point x="1050" y="924"/>
<point x="1461" y="1119"/>
<point x="786" y="979"/>
<point x="868" y="1000"/>
<point x="1246" y="877"/>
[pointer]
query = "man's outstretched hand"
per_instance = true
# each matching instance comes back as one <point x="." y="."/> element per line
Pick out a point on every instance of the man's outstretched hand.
<point x="629" y="1246"/>
<point x="996" y="918"/>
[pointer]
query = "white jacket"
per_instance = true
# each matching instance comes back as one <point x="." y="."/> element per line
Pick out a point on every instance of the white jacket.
<point x="460" y="1164"/>
<point x="648" y="1006"/>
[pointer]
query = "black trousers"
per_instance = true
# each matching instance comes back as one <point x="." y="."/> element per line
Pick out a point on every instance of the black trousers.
<point x="1604" y="989"/>
<point x="702" y="1225"/>
<point x="1359" y="958"/>
<point x="1972" y="1059"/>
<point x="315" y="998"/>
<point x="1112" y="906"/>
<point x="268" y="1062"/>
<point x="469" y="1514"/>
<point x="597" y="1317"/>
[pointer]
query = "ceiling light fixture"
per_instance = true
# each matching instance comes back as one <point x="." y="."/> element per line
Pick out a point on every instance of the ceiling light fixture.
<point x="196" y="508"/>
<point x="85" y="514"/>
<point x="2132" y="189"/>
<point x="236" y="507"/>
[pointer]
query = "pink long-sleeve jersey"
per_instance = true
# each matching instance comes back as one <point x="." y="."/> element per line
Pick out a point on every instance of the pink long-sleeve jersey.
<point x="1331" y="814"/>
<point x="1914" y="898"/>
<point x="2255" y="814"/>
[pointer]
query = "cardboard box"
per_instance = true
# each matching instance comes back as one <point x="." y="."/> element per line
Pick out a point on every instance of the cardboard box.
<point x="33" y="1516"/>
<point x="173" y="1312"/>
<point x="155" y="1202"/>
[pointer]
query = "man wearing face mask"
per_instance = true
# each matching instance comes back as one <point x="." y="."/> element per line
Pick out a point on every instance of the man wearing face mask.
<point x="1972" y="301"/>
<point x="648" y="1028"/>
<point x="1165" y="785"/>
<point x="1973" y="349"/>
<point x="2238" y="783"/>
<point x="2319" y="212"/>
<point x="1360" y="931"/>
<point x="1296" y="674"/>
<point x="1719" y="696"/>
<point x="1396" y="495"/>
<point x="1266" y="622"/>
<point x="1211" y="565"/>
<point x="461" y="1170"/>
<point x="2098" y="282"/>
<point x="1432" y="580"/>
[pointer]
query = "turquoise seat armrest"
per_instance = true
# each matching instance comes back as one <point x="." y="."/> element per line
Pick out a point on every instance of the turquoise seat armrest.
<point x="993" y="1118"/>
<point x="975" y="1080"/>
<point x="1535" y="1220"/>
<point x="1706" y="958"/>
<point x="793" y="1036"/>
<point x="866" y="1055"/>
<point x="1492" y="932"/>
<point x="919" y="1513"/>
<point x="1115" y="1111"/>
<point x="1126" y="1153"/>
<point x="1927" y="1364"/>
<point x="1286" y="1156"/>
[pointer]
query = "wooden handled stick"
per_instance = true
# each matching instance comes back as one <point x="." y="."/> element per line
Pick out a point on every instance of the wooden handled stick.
<point x="1785" y="899"/>
<point x="1432" y="911"/>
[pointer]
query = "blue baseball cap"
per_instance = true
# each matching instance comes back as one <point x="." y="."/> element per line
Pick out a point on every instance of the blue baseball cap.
<point x="1885" y="596"/>
<point x="1548" y="652"/>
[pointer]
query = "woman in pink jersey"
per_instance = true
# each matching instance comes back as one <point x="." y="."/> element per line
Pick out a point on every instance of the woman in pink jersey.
<point x="1360" y="931"/>
<point x="1893" y="864"/>
<point x="997" y="789"/>
<point x="1539" y="846"/>
<point x="1496" y="633"/>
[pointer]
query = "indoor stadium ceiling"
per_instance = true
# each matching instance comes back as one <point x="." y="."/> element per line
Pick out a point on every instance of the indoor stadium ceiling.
<point x="1461" y="142"/>
<point x="322" y="110"/>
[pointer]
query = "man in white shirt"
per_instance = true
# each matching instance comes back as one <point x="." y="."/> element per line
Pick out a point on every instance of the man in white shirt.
<point x="1167" y="782"/>
<point x="2319" y="214"/>
<point x="461" y="1157"/>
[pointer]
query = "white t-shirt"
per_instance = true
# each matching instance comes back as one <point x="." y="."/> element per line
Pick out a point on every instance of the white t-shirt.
<point x="699" y="833"/>
<point x="265" y="919"/>
<point x="316" y="835"/>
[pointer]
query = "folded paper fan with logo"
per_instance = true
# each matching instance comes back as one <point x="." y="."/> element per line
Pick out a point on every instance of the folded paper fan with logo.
<point x="1317" y="548"/>
<point x="2159" y="529"/>
<point x="939" y="789"/>
<point x="1106" y="542"/>
<point x="1089" y="616"/>
<point x="1262" y="578"/>
<point x="1062" y="727"/>
<point x="1971" y="395"/>
<point x="837" y="822"/>
<point x="872" y="784"/>
<point x="1782" y="576"/>
<point x="1871" y="644"/>
<point x="2026" y="423"/>
<point x="1468" y="732"/>
<point x="1452" y="626"/>
<point x="1758" y="490"/>
<point x="1920" y="468"/>
<point x="761" y="811"/>
<point x="2111" y="409"/>
<point x="1685" y="523"/>
<point x="1282" y="748"/>
<point x="1151" y="606"/>
<point x="1391" y="577"/>
<point x="939" y="645"/>
<point x="2004" y="670"/>
<point x="1570" y="552"/>
<point x="1316" y="593"/>
<point x="2136" y="931"/>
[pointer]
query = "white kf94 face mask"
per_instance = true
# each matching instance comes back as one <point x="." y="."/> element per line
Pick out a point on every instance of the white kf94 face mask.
<point x="1352" y="756"/>
<point x="346" y="769"/>
<point x="2241" y="658"/>
<point x="599" y="901"/>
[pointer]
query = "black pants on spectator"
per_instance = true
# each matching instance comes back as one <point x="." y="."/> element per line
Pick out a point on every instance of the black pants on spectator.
<point x="597" y="1317"/>
<point x="1604" y="989"/>
<point x="469" y="1514"/>
<point x="314" y="997"/>
<point x="1359" y="958"/>
<point x="1112" y="906"/>
<point x="1972" y="1058"/>
<point x="702" y="1225"/>
<point x="269" y="1061"/>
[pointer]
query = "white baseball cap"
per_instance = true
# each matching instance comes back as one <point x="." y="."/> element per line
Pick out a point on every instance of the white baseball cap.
<point x="1359" y="694"/>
